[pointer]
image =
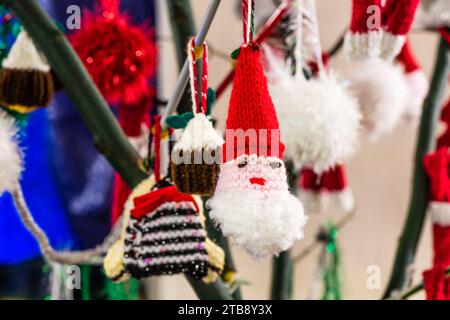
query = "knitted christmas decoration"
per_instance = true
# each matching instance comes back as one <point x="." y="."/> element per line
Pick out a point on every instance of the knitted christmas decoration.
<point x="443" y="140"/>
<point x="252" y="202"/>
<point x="382" y="92"/>
<point x="194" y="165"/>
<point x="436" y="166"/>
<point x="25" y="78"/>
<point x="363" y="39"/>
<point x="326" y="191"/>
<point x="417" y="82"/>
<point x="165" y="235"/>
<point x="121" y="72"/>
<point x="398" y="16"/>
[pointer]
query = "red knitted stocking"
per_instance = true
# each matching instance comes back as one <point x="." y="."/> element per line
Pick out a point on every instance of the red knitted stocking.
<point x="434" y="282"/>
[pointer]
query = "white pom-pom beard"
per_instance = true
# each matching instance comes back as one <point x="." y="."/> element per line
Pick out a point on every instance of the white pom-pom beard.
<point x="382" y="92"/>
<point x="10" y="154"/>
<point x="263" y="220"/>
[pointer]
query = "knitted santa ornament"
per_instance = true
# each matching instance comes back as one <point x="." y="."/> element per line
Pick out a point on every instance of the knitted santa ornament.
<point x="382" y="92"/>
<point x="416" y="80"/>
<point x="26" y="78"/>
<point x="363" y="39"/>
<point x="437" y="167"/>
<point x="119" y="56"/>
<point x="252" y="202"/>
<point x="398" y="16"/>
<point x="194" y="167"/>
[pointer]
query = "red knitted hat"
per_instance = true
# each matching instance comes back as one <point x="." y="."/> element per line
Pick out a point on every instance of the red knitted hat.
<point x="363" y="38"/>
<point x="252" y="123"/>
<point x="408" y="59"/>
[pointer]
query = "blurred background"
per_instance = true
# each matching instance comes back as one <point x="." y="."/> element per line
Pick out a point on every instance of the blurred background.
<point x="380" y="173"/>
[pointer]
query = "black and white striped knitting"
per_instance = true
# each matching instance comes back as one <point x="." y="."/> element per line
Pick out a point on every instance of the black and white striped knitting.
<point x="168" y="240"/>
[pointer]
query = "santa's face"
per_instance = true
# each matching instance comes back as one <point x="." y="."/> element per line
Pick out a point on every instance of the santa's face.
<point x="252" y="204"/>
<point x="250" y="172"/>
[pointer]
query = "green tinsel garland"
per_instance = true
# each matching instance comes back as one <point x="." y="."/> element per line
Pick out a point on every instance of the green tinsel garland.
<point x="332" y="283"/>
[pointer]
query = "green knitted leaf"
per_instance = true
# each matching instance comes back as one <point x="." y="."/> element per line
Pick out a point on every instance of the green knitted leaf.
<point x="235" y="54"/>
<point x="211" y="101"/>
<point x="179" y="121"/>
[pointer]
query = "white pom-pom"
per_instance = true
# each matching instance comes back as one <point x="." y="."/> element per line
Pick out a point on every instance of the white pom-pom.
<point x="10" y="154"/>
<point x="25" y="56"/>
<point x="319" y="119"/>
<point x="382" y="93"/>
<point x="418" y="85"/>
<point x="199" y="134"/>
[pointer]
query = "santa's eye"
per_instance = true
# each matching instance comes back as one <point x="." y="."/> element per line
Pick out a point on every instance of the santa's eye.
<point x="242" y="164"/>
<point x="275" y="165"/>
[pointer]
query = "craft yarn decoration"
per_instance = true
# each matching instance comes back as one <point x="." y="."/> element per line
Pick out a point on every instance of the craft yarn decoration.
<point x="417" y="82"/>
<point x="118" y="55"/>
<point x="252" y="203"/>
<point x="382" y="94"/>
<point x="113" y="262"/>
<point x="436" y="166"/>
<point x="377" y="30"/>
<point x="363" y="39"/>
<point x="26" y="78"/>
<point x="195" y="165"/>
<point x="397" y="19"/>
<point x="11" y="157"/>
<point x="165" y="235"/>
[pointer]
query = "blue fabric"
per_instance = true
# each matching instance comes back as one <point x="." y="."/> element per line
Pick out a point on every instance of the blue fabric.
<point x="41" y="193"/>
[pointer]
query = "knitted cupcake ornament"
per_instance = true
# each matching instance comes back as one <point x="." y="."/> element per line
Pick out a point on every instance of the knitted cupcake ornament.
<point x="194" y="166"/>
<point x="252" y="202"/>
<point x="26" y="78"/>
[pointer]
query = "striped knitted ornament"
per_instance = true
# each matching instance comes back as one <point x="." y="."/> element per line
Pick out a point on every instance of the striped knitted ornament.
<point x="26" y="79"/>
<point x="165" y="235"/>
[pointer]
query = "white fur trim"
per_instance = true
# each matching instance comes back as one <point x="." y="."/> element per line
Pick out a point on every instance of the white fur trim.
<point x="391" y="45"/>
<point x="342" y="200"/>
<point x="440" y="213"/>
<point x="11" y="164"/>
<point x="199" y="134"/>
<point x="382" y="92"/>
<point x="313" y="202"/>
<point x="360" y="46"/>
<point x="25" y="56"/>
<point x="419" y="85"/>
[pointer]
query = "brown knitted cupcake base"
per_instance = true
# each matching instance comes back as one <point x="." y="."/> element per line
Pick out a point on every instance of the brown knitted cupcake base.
<point x="200" y="179"/>
<point x="26" y="87"/>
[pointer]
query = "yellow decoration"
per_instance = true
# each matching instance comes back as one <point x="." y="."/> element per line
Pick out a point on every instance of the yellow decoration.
<point x="22" y="109"/>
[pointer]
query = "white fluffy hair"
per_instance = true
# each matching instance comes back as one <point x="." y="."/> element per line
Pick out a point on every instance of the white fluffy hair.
<point x="10" y="154"/>
<point x="419" y="85"/>
<point x="383" y="94"/>
<point x="319" y="119"/>
<point x="261" y="225"/>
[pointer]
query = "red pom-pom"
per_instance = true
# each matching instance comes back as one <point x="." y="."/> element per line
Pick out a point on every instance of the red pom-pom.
<point x="119" y="56"/>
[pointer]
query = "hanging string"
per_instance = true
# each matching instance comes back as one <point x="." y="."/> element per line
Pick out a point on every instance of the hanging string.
<point x="91" y="256"/>
<point x="248" y="20"/>
<point x="195" y="53"/>
<point x="157" y="143"/>
<point x="313" y="38"/>
<point x="299" y="39"/>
